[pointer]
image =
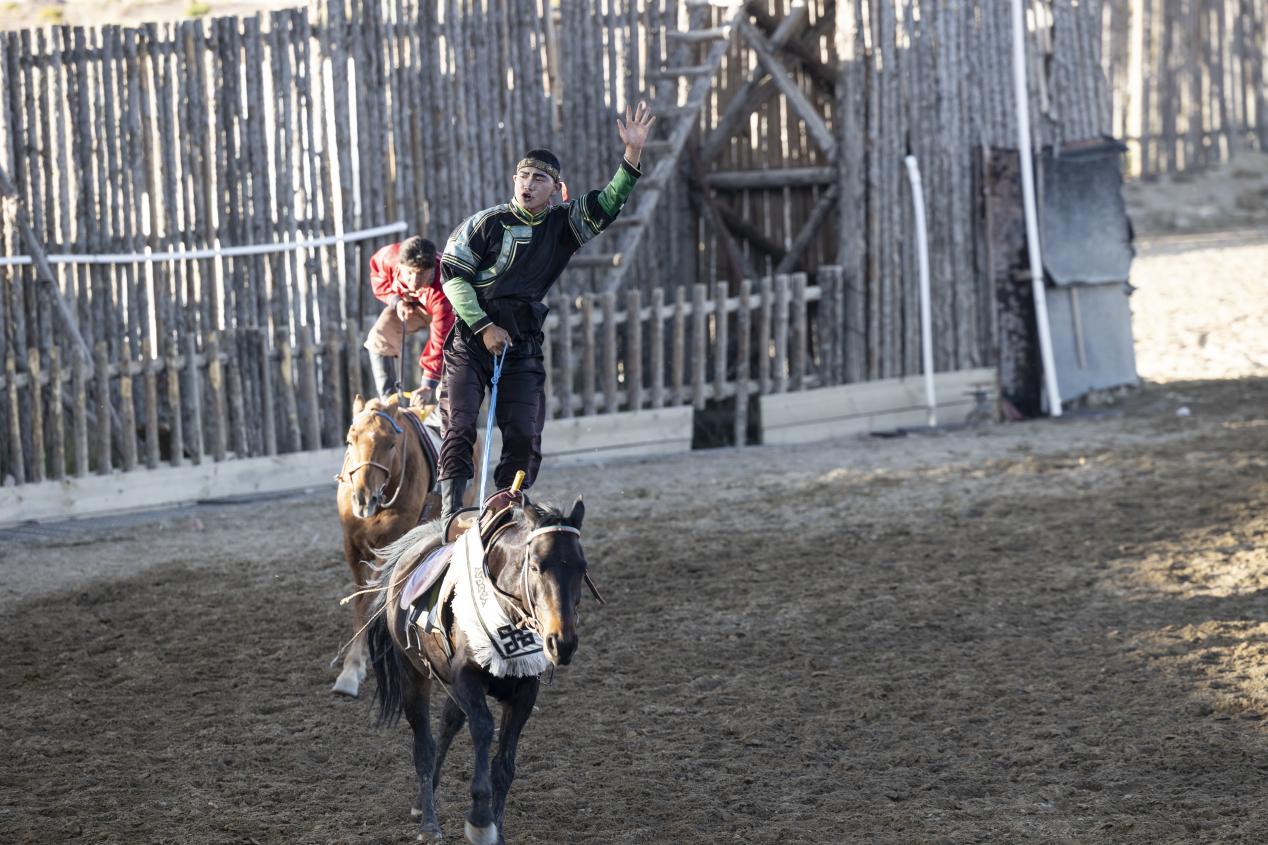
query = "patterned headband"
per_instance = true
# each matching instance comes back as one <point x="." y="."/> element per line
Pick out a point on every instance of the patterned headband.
<point x="540" y="165"/>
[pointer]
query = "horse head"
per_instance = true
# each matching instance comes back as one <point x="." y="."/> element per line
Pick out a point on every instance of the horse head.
<point x="544" y="566"/>
<point x="375" y="453"/>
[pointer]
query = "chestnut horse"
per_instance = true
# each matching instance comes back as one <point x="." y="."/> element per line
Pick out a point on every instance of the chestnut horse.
<point x="383" y="488"/>
<point x="534" y="562"/>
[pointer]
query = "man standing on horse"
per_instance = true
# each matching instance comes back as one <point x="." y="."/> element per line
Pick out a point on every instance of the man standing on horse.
<point x="498" y="266"/>
<point x="405" y="277"/>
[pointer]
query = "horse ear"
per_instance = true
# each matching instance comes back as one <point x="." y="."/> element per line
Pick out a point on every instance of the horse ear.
<point x="358" y="405"/>
<point x="578" y="513"/>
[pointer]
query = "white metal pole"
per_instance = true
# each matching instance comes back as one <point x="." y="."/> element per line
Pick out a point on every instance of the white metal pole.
<point x="922" y="255"/>
<point x="1022" y="96"/>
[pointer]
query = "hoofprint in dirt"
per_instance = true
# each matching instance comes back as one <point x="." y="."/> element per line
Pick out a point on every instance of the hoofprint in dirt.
<point x="1050" y="631"/>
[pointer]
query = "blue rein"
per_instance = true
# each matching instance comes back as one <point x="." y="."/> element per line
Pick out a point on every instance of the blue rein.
<point x="385" y="415"/>
<point x="488" y="425"/>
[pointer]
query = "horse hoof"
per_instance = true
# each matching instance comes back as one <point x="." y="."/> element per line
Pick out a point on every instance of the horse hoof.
<point x="431" y="834"/>
<point x="482" y="835"/>
<point x="348" y="685"/>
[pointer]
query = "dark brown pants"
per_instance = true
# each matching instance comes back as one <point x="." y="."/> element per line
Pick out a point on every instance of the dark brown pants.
<point x="520" y="412"/>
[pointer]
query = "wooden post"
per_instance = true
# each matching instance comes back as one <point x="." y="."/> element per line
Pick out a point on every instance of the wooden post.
<point x="176" y="416"/>
<point x="611" y="399"/>
<point x="564" y="386"/>
<point x="336" y="403"/>
<point x="127" y="407"/>
<point x="679" y="353"/>
<point x="194" y="396"/>
<point x="149" y="382"/>
<point x="798" y="358"/>
<point x="56" y="412"/>
<point x="656" y="339"/>
<point x="720" y="340"/>
<point x="588" y="403"/>
<point x="17" y="460"/>
<point x="266" y="390"/>
<point x="101" y="368"/>
<point x="634" y="349"/>
<point x="699" y="345"/>
<point x="352" y="349"/>
<point x="743" y="353"/>
<point x="216" y="384"/>
<point x="767" y="301"/>
<point x="308" y="390"/>
<point x="38" y="457"/>
<point x="780" y="364"/>
<point x="237" y="403"/>
<point x="79" y="385"/>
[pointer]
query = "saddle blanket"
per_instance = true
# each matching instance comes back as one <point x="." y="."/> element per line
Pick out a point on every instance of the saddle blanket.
<point x="500" y="646"/>
<point x="427" y="427"/>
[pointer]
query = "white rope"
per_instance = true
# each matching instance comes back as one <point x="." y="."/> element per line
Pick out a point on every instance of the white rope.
<point x="214" y="252"/>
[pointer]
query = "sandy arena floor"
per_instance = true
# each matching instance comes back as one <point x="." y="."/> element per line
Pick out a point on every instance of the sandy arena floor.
<point x="1053" y="631"/>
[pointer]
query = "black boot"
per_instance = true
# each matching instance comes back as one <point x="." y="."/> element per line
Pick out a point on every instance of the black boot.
<point x="384" y="368"/>
<point x="451" y="492"/>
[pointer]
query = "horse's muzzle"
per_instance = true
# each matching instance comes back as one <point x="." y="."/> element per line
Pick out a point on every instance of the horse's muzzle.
<point x="363" y="506"/>
<point x="560" y="649"/>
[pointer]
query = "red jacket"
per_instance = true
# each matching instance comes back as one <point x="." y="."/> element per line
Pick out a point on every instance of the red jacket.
<point x="390" y="289"/>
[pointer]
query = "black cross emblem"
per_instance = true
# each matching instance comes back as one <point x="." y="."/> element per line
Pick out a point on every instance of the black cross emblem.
<point x="515" y="639"/>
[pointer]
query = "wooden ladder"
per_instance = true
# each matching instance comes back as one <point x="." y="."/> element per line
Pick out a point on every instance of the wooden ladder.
<point x="674" y="124"/>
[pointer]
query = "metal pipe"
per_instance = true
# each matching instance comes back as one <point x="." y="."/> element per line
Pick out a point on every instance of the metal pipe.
<point x="922" y="256"/>
<point x="1022" y="96"/>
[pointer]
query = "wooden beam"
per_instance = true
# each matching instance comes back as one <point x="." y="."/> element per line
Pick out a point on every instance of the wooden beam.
<point x="745" y="99"/>
<point x="826" y="203"/>
<point x="833" y="413"/>
<point x="702" y="196"/>
<point x="823" y="74"/>
<point x="788" y="86"/>
<point x="786" y="177"/>
<point x="755" y="236"/>
<point x="12" y="202"/>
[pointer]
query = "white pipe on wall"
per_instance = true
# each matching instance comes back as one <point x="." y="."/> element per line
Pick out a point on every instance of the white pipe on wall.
<point x="922" y="256"/>
<point x="1022" y="96"/>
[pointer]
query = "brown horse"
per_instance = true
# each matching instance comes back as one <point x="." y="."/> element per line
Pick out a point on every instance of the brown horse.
<point x="532" y="569"/>
<point x="383" y="488"/>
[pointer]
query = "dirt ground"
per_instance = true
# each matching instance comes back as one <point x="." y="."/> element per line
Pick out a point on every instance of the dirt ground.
<point x="1053" y="631"/>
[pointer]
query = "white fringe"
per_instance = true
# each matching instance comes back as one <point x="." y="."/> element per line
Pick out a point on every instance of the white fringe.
<point x="469" y="621"/>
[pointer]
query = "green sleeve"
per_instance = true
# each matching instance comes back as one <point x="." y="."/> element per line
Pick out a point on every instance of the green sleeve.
<point x="466" y="305"/>
<point x="618" y="190"/>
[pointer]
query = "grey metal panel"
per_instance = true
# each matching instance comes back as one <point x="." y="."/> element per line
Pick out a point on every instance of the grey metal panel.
<point x="1103" y="331"/>
<point x="1085" y="232"/>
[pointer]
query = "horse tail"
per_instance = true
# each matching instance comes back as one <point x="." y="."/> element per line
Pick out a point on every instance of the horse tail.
<point x="387" y="662"/>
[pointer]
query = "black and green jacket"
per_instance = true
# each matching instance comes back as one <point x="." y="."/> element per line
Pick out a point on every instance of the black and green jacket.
<point x="500" y="263"/>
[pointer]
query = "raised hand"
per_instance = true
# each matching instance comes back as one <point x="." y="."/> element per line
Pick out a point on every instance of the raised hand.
<point x="636" y="128"/>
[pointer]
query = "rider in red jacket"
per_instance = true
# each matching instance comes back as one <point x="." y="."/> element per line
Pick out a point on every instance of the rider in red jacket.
<point x="405" y="277"/>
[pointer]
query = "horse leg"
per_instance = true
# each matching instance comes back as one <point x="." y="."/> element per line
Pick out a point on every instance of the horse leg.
<point x="415" y="703"/>
<point x="468" y="689"/>
<point x="357" y="657"/>
<point x="515" y="713"/>
<point x="451" y="721"/>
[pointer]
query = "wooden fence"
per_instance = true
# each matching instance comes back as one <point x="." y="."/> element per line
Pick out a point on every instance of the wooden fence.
<point x="1187" y="79"/>
<point x="65" y="417"/>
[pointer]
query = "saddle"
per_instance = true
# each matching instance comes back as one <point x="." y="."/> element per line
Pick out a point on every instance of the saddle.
<point x="424" y="592"/>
